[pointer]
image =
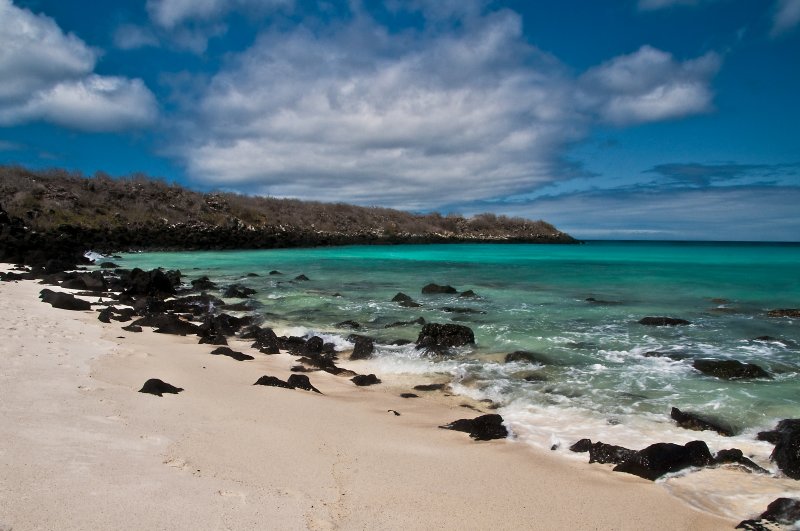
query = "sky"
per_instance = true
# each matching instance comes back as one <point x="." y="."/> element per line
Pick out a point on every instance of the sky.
<point x="612" y="119"/>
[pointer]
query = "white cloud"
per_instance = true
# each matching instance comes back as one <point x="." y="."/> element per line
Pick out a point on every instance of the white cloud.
<point x="130" y="37"/>
<point x="46" y="74"/>
<point x="416" y="119"/>
<point x="787" y="17"/>
<point x="649" y="85"/>
<point x="170" y="13"/>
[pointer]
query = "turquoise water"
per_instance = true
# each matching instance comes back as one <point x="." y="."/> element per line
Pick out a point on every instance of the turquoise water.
<point x="597" y="382"/>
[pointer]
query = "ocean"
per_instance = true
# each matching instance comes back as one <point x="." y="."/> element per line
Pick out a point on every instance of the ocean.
<point x="596" y="375"/>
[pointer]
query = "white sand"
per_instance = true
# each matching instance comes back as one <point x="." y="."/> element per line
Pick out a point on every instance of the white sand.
<point x="81" y="449"/>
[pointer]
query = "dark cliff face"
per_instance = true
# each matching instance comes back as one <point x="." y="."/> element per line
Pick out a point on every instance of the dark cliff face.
<point x="55" y="207"/>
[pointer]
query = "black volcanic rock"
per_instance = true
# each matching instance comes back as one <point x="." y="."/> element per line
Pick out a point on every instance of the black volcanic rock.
<point x="272" y="381"/>
<point x="584" y="445"/>
<point x="662" y="458"/>
<point x="64" y="301"/>
<point x="301" y="381"/>
<point x="432" y="289"/>
<point x="735" y="456"/>
<point x="352" y="325"/>
<point x="438" y="338"/>
<point x="132" y="328"/>
<point x="429" y="387"/>
<point x="155" y="283"/>
<point x="408" y="395"/>
<point x="168" y="324"/>
<point x="786" y="437"/>
<point x="785" y="312"/>
<point x="203" y="283"/>
<point x="235" y="354"/>
<point x="468" y="294"/>
<point x="275" y="272"/>
<point x="365" y="379"/>
<point x="238" y="291"/>
<point x="265" y="340"/>
<point x="527" y="356"/>
<point x="730" y="369"/>
<point x="405" y="300"/>
<point x="157" y="387"/>
<point x="301" y="278"/>
<point x="363" y="349"/>
<point x="663" y="321"/>
<point x="417" y="321"/>
<point x="693" y="421"/>
<point x="483" y="428"/>
<point x="601" y="452"/>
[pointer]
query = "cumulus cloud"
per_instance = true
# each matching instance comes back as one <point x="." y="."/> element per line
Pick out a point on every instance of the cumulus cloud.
<point x="170" y="13"/>
<point x="787" y="17"/>
<point x="420" y="118"/>
<point x="650" y="85"/>
<point x="46" y="74"/>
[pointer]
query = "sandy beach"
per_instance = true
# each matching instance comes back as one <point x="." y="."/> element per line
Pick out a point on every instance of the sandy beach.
<point x="80" y="448"/>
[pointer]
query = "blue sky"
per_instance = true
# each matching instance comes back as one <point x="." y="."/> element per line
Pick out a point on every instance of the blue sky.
<point x="657" y="119"/>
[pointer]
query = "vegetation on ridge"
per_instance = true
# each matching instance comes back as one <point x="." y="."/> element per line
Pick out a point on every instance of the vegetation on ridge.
<point x="53" y="199"/>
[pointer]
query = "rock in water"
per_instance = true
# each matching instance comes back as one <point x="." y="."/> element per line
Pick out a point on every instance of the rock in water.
<point x="436" y="288"/>
<point x="438" y="338"/>
<point x="734" y="455"/>
<point x="157" y="387"/>
<point x="530" y="357"/>
<point x="226" y="351"/>
<point x="430" y="387"/>
<point x="272" y="381"/>
<point x="783" y="511"/>
<point x="405" y="300"/>
<point x="301" y="381"/>
<point x="353" y="325"/>
<point x="364" y="347"/>
<point x="730" y="369"/>
<point x="785" y="312"/>
<point x="601" y="452"/>
<point x="692" y="421"/>
<point x="786" y="437"/>
<point x="663" y="321"/>
<point x="661" y="458"/>
<point x="365" y="379"/>
<point x="483" y="428"/>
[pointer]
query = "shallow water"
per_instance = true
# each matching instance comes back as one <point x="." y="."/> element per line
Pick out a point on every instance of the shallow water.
<point x="596" y="381"/>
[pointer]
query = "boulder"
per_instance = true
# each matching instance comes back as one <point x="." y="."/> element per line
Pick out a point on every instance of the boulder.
<point x="238" y="356"/>
<point x="663" y="321"/>
<point x="64" y="301"/>
<point x="468" y="294"/>
<point x="584" y="445"/>
<point x="438" y="338"/>
<point x="266" y="341"/>
<point x="313" y="345"/>
<point x="132" y="328"/>
<point x="301" y="278"/>
<point x="730" y="369"/>
<point x="408" y="395"/>
<point x="785" y="312"/>
<point x="352" y="325"/>
<point x="483" y="428"/>
<point x="238" y="291"/>
<point x="272" y="381"/>
<point x="167" y="324"/>
<point x="430" y="387"/>
<point x="437" y="289"/>
<point x="157" y="387"/>
<point x="735" y="456"/>
<point x="405" y="300"/>
<point x="155" y="283"/>
<point x="301" y="381"/>
<point x="275" y="272"/>
<point x="782" y="511"/>
<point x="786" y="437"/>
<point x="528" y="357"/>
<point x="693" y="421"/>
<point x="363" y="349"/>
<point x="601" y="452"/>
<point x="365" y="379"/>
<point x="662" y="458"/>
<point x="203" y="283"/>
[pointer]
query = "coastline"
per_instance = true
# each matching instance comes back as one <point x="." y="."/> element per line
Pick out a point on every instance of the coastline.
<point x="85" y="449"/>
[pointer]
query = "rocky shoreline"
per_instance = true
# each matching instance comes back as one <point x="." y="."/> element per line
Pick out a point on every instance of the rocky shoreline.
<point x="161" y="300"/>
